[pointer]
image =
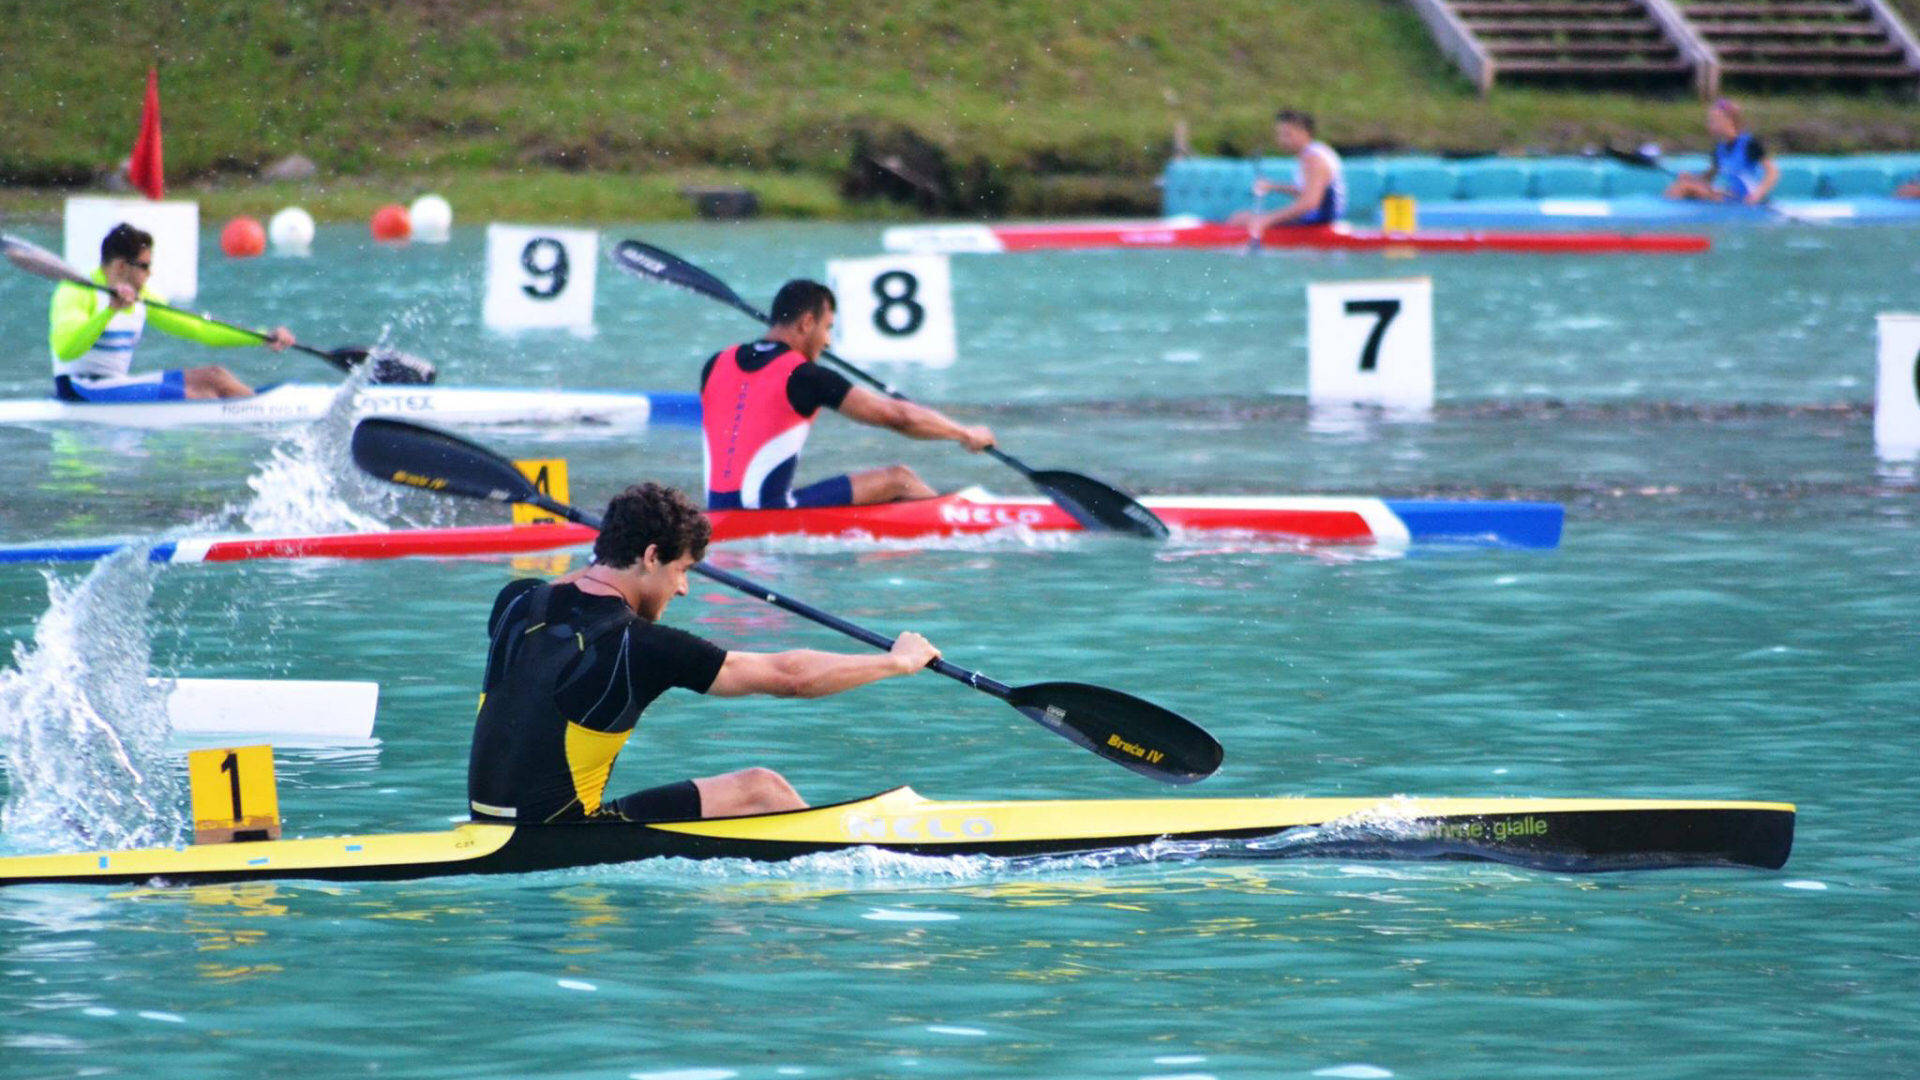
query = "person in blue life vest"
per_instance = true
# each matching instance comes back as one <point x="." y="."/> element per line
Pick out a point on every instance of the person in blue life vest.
<point x="758" y="402"/>
<point x="574" y="662"/>
<point x="1319" y="187"/>
<point x="1742" y="171"/>
<point x="93" y="334"/>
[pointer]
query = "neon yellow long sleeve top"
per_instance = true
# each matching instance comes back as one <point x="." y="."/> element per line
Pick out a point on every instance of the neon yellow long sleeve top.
<point x="79" y="315"/>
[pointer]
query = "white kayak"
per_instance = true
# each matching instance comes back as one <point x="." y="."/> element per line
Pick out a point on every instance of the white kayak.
<point x="292" y="403"/>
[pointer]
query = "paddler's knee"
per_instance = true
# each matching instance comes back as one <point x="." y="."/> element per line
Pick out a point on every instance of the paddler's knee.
<point x="891" y="484"/>
<point x="214" y="381"/>
<point x="770" y="791"/>
<point x="749" y="791"/>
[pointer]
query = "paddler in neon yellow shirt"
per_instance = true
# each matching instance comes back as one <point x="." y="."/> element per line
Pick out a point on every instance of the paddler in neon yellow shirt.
<point x="93" y="334"/>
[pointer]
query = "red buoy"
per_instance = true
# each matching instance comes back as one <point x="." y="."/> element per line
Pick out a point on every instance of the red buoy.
<point x="391" y="224"/>
<point x="243" y="238"/>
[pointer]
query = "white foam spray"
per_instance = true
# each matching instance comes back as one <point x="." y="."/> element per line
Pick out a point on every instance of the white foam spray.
<point x="309" y="484"/>
<point x="84" y="734"/>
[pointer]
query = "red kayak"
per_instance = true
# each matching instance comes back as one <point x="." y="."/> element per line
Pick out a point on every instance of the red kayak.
<point x="1192" y="233"/>
<point x="1320" y="519"/>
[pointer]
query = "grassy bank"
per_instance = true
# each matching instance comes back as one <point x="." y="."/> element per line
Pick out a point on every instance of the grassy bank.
<point x="609" y="109"/>
<point x="532" y="194"/>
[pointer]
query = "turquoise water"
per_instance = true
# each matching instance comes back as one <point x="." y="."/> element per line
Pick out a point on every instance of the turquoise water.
<point x="1732" y="615"/>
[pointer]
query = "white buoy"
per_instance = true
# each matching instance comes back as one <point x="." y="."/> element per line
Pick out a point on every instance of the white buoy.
<point x="432" y="219"/>
<point x="291" y="231"/>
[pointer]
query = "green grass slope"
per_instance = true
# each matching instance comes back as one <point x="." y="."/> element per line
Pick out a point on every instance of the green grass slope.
<point x="1033" y="103"/>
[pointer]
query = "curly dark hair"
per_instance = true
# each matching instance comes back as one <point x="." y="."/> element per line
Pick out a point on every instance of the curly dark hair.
<point x="651" y="514"/>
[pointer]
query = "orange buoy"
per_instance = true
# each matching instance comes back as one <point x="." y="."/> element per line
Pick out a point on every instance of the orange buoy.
<point x="390" y="223"/>
<point x="243" y="238"/>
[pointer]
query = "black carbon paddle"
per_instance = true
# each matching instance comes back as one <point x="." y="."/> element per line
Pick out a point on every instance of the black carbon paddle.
<point x="1139" y="735"/>
<point x="390" y="366"/>
<point x="1097" y="506"/>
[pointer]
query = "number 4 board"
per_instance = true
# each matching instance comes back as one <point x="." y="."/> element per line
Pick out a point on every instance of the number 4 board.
<point x="1371" y="342"/>
<point x="894" y="308"/>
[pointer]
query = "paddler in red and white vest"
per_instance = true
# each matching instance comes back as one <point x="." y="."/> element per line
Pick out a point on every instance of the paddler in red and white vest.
<point x="93" y="334"/>
<point x="1319" y="183"/>
<point x="758" y="402"/>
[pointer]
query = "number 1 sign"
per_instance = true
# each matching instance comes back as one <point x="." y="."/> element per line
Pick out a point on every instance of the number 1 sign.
<point x="894" y="307"/>
<point x="1371" y="342"/>
<point x="539" y="276"/>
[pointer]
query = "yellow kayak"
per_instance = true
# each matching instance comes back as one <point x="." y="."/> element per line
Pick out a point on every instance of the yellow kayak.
<point x="1549" y="834"/>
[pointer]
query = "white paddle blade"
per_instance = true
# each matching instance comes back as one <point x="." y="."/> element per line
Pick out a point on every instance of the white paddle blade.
<point x="37" y="260"/>
<point x="303" y="708"/>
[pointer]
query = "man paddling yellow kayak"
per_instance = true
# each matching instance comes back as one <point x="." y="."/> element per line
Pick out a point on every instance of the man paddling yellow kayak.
<point x="93" y="333"/>
<point x="574" y="663"/>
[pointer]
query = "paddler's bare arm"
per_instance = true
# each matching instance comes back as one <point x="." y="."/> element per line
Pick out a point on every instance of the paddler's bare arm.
<point x="913" y="421"/>
<point x="1316" y="175"/>
<point x="1769" y="176"/>
<point x="810" y="673"/>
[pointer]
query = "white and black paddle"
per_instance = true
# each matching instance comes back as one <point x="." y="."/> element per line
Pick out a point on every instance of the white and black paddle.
<point x="1151" y="740"/>
<point x="390" y="365"/>
<point x="1097" y="506"/>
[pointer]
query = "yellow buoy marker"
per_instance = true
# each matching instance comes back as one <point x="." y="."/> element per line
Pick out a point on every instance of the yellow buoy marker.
<point x="233" y="795"/>
<point x="1397" y="214"/>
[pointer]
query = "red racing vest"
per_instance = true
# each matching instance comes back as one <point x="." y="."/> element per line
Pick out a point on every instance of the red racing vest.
<point x="750" y="432"/>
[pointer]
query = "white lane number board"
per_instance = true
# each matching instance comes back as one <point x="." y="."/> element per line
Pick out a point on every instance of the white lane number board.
<point x="540" y="277"/>
<point x="174" y="225"/>
<point x="894" y="308"/>
<point x="1896" y="396"/>
<point x="1371" y="342"/>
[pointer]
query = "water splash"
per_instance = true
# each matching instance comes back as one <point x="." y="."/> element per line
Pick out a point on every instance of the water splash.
<point x="309" y="483"/>
<point x="85" y="734"/>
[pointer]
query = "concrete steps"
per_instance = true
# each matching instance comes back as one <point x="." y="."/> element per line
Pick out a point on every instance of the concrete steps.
<point x="1668" y="44"/>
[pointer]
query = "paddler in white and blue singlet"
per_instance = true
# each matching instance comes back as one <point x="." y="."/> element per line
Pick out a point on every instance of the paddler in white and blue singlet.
<point x="757" y="406"/>
<point x="1742" y="171"/>
<point x="93" y="334"/>
<point x="1319" y="183"/>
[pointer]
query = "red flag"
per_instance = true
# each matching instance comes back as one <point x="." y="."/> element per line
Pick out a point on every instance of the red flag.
<point x="144" y="169"/>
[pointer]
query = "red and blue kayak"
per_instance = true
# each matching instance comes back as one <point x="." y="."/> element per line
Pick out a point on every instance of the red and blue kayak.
<point x="1310" y="519"/>
<point x="1194" y="233"/>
